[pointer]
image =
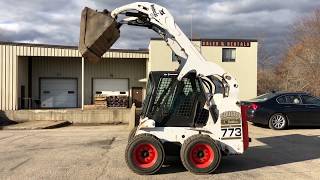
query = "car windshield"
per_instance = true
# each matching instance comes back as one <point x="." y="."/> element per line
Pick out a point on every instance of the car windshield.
<point x="264" y="97"/>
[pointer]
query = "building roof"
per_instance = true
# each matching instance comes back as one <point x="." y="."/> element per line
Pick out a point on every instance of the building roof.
<point x="68" y="47"/>
<point x="213" y="39"/>
<point x="30" y="49"/>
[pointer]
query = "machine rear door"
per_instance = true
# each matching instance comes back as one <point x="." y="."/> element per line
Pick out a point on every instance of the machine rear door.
<point x="177" y="103"/>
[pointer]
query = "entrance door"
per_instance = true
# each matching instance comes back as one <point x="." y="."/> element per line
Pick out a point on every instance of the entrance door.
<point x="137" y="96"/>
<point x="58" y="93"/>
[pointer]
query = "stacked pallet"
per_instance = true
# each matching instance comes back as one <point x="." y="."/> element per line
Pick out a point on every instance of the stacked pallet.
<point x="117" y="101"/>
<point x="100" y="100"/>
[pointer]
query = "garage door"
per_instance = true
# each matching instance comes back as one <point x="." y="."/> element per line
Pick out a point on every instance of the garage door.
<point x="58" y="93"/>
<point x="115" y="85"/>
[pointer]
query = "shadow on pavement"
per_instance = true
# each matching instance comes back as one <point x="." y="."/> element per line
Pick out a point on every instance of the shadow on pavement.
<point x="4" y="120"/>
<point x="172" y="168"/>
<point x="172" y="165"/>
<point x="278" y="150"/>
<point x="289" y="128"/>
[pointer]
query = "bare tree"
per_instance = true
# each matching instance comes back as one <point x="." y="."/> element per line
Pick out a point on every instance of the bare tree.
<point x="300" y="68"/>
<point x="266" y="70"/>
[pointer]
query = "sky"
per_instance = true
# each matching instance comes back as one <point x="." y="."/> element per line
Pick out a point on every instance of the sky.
<point x="57" y="21"/>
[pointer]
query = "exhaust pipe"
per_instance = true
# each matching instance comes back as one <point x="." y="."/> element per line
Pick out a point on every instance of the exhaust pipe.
<point x="98" y="32"/>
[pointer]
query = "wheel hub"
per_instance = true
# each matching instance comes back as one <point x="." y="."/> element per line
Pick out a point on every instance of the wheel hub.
<point x="145" y="155"/>
<point x="201" y="155"/>
<point x="278" y="121"/>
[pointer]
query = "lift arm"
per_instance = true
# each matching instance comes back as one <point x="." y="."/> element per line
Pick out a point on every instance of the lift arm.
<point x="104" y="28"/>
<point x="162" y="22"/>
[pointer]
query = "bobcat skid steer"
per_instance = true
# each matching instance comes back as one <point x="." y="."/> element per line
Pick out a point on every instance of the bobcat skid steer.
<point x="195" y="108"/>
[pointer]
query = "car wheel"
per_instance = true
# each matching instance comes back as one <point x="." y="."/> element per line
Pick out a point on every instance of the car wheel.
<point x="278" y="122"/>
<point x="145" y="154"/>
<point x="200" y="154"/>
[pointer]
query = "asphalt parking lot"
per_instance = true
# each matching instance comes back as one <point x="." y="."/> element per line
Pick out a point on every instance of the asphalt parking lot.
<point x="97" y="152"/>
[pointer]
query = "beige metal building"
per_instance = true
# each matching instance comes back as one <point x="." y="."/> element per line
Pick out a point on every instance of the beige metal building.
<point x="49" y="76"/>
<point x="236" y="56"/>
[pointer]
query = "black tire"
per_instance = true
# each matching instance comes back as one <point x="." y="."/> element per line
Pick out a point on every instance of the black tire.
<point x="278" y="121"/>
<point x="145" y="154"/>
<point x="208" y="152"/>
<point x="132" y="133"/>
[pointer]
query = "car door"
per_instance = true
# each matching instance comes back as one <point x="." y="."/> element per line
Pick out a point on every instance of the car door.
<point x="294" y="109"/>
<point x="312" y="105"/>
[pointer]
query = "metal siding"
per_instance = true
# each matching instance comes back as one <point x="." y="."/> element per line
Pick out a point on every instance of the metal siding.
<point x="42" y="52"/>
<point x="65" y="52"/>
<point x="28" y="52"/>
<point x="60" y="52"/>
<point x="49" y="51"/>
<point x="8" y="65"/>
<point x="56" y="52"/>
<point x="10" y="89"/>
<point x="14" y="98"/>
<point x="1" y="77"/>
<point x="35" y="51"/>
<point x="22" y="77"/>
<point x="74" y="53"/>
<point x="31" y="51"/>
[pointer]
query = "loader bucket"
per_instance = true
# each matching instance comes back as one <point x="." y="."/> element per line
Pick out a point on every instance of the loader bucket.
<point x="98" y="32"/>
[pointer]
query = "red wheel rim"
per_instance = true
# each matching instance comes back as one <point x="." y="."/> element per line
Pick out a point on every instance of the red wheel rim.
<point x="201" y="155"/>
<point x="145" y="155"/>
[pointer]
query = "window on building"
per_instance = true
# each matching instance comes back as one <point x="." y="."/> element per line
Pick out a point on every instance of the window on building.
<point x="228" y="54"/>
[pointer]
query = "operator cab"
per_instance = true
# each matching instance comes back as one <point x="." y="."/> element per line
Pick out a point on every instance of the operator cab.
<point x="173" y="103"/>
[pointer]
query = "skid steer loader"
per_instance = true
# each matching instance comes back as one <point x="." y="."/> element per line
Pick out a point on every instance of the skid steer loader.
<point x="195" y="108"/>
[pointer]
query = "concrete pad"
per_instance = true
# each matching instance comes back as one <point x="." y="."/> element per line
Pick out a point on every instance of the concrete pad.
<point x="97" y="152"/>
<point x="31" y="125"/>
<point x="77" y="116"/>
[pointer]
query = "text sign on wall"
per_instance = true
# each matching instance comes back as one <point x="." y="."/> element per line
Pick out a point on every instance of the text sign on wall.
<point x="228" y="43"/>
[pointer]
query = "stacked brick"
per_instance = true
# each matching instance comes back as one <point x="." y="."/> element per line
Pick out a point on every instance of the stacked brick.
<point x="117" y="101"/>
